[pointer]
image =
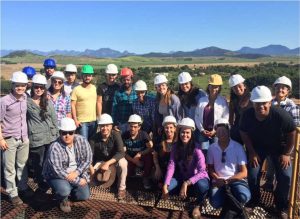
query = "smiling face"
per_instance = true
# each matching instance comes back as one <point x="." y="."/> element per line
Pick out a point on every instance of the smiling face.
<point x="281" y="91"/>
<point x="186" y="87"/>
<point x="67" y="136"/>
<point x="185" y="134"/>
<point x="87" y="78"/>
<point x="214" y="90"/>
<point x="57" y="83"/>
<point x="239" y="89"/>
<point x="134" y="128"/>
<point x="49" y="71"/>
<point x="71" y="77"/>
<point x="127" y="82"/>
<point x="105" y="130"/>
<point x="262" y="109"/>
<point x="162" y="88"/>
<point x="19" y="88"/>
<point x="38" y="89"/>
<point x="111" y="78"/>
<point x="169" y="129"/>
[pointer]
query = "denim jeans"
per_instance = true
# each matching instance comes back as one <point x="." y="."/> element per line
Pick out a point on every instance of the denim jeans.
<point x="270" y="171"/>
<point x="14" y="161"/>
<point x="62" y="189"/>
<point x="283" y="177"/>
<point x="87" y="129"/>
<point x="200" y="188"/>
<point x="239" y="189"/>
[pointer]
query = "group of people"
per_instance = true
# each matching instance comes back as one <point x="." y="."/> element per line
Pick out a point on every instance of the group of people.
<point x="192" y="142"/>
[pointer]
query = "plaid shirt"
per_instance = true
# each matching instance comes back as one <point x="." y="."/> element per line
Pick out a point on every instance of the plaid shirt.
<point x="289" y="106"/>
<point x="62" y="105"/>
<point x="122" y="105"/>
<point x="146" y="110"/>
<point x="57" y="161"/>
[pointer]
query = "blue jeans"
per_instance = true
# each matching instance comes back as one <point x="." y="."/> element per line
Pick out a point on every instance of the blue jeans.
<point x="270" y="171"/>
<point x="283" y="177"/>
<point x="62" y="189"/>
<point x="200" y="188"/>
<point x="87" y="129"/>
<point x="239" y="189"/>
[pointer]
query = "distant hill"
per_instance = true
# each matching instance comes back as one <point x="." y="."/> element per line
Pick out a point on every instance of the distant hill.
<point x="19" y="53"/>
<point x="276" y="50"/>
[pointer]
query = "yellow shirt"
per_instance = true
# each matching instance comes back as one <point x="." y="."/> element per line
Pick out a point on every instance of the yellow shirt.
<point x="86" y="99"/>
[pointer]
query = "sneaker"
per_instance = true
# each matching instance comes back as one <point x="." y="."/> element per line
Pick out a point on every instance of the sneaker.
<point x="196" y="214"/>
<point x="27" y="193"/>
<point x="16" y="201"/>
<point x="122" y="194"/>
<point x="65" y="206"/>
<point x="147" y="183"/>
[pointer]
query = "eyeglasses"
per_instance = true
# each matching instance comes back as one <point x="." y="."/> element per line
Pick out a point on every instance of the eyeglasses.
<point x="57" y="82"/>
<point x="39" y="87"/>
<point x="223" y="156"/>
<point x="67" y="132"/>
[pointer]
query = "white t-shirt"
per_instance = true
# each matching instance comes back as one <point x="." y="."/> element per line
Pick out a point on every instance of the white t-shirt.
<point x="72" y="159"/>
<point x="235" y="156"/>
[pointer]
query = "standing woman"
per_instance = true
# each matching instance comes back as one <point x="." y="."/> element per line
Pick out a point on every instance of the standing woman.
<point x="186" y="168"/>
<point x="60" y="100"/>
<point x="239" y="102"/>
<point x="167" y="103"/>
<point x="210" y="108"/>
<point x="162" y="150"/>
<point x="42" y="128"/>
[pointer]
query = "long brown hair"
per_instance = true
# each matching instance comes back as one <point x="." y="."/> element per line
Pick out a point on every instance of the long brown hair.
<point x="43" y="102"/>
<point x="164" y="141"/>
<point x="183" y="153"/>
<point x="166" y="97"/>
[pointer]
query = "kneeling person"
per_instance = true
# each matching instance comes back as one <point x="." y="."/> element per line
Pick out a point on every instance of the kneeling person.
<point x="227" y="165"/>
<point x="108" y="148"/>
<point x="66" y="166"/>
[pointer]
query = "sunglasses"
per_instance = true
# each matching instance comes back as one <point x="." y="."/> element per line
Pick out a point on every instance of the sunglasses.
<point x="39" y="87"/>
<point x="223" y="157"/>
<point x="67" y="132"/>
<point x="57" y="82"/>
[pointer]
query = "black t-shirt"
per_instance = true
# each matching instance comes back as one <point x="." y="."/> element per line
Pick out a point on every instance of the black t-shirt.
<point x="133" y="146"/>
<point x="106" y="150"/>
<point x="107" y="92"/>
<point x="267" y="135"/>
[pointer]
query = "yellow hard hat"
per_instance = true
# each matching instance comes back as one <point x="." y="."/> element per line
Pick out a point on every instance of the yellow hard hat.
<point x="215" y="79"/>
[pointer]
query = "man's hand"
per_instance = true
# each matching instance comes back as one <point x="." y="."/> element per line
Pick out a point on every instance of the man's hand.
<point x="137" y="160"/>
<point x="72" y="176"/>
<point x="3" y="145"/>
<point x="82" y="182"/>
<point x="77" y="123"/>
<point x="254" y="159"/>
<point x="285" y="161"/>
<point x="104" y="166"/>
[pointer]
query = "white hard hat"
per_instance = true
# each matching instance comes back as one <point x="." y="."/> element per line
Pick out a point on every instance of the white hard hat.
<point x="184" y="77"/>
<point x="71" y="68"/>
<point x="19" y="77"/>
<point x="283" y="80"/>
<point x="111" y="69"/>
<point x="140" y="85"/>
<point x="135" y="119"/>
<point x="159" y="79"/>
<point x="39" y="79"/>
<point x="67" y="124"/>
<point x="235" y="80"/>
<point x="105" y="119"/>
<point x="222" y="121"/>
<point x="59" y="75"/>
<point x="187" y="122"/>
<point x="169" y="119"/>
<point x="261" y="94"/>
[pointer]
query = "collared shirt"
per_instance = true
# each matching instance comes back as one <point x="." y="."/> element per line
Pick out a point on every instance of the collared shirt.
<point x="13" y="116"/>
<point x="146" y="110"/>
<point x="58" y="161"/>
<point x="122" y="105"/>
<point x="62" y="105"/>
<point x="289" y="106"/>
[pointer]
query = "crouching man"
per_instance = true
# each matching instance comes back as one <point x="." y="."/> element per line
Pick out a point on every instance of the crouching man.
<point x="108" y="148"/>
<point x="67" y="164"/>
<point x="227" y="166"/>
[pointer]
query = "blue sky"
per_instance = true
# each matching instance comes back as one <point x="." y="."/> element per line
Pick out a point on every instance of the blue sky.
<point x="143" y="27"/>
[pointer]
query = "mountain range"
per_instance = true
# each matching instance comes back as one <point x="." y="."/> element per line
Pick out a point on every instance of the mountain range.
<point x="244" y="52"/>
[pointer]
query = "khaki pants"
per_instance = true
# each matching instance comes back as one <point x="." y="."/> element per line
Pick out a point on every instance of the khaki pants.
<point x="122" y="173"/>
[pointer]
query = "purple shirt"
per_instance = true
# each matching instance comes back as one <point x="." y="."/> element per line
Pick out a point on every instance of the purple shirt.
<point x="208" y="118"/>
<point x="13" y="116"/>
<point x="193" y="170"/>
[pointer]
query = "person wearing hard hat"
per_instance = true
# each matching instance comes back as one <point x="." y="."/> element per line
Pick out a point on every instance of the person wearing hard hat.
<point x="60" y="100"/>
<point x="122" y="102"/>
<point x="83" y="103"/>
<point x="210" y="108"/>
<point x="227" y="166"/>
<point x="30" y="72"/>
<point x="67" y="164"/>
<point x="167" y="103"/>
<point x="108" y="149"/>
<point x="186" y="168"/>
<point x="263" y="128"/>
<point x="14" y="142"/>
<point x="283" y="86"/>
<point x="138" y="150"/>
<point x="239" y="102"/>
<point x="162" y="149"/>
<point x="70" y="82"/>
<point x="42" y="130"/>
<point x="144" y="106"/>
<point x="106" y="90"/>
<point x="49" y="68"/>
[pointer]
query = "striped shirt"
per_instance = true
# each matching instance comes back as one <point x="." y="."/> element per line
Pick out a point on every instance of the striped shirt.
<point x="62" y="106"/>
<point x="57" y="162"/>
